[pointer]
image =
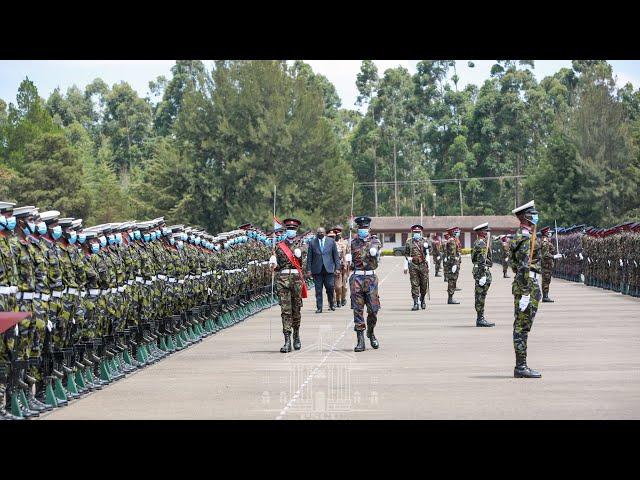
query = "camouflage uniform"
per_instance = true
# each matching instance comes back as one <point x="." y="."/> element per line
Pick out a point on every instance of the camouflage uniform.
<point x="418" y="267"/>
<point x="482" y="262"/>
<point x="340" y="276"/>
<point x="524" y="284"/>
<point x="364" y="288"/>
<point x="548" y="251"/>
<point x="289" y="287"/>
<point x="452" y="255"/>
<point x="437" y="256"/>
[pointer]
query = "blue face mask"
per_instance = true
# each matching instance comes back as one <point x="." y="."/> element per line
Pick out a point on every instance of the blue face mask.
<point x="95" y="248"/>
<point x="534" y="219"/>
<point x="82" y="238"/>
<point x="363" y="233"/>
<point x="42" y="228"/>
<point x="180" y="244"/>
<point x="172" y="241"/>
<point x="56" y="232"/>
<point x="291" y="233"/>
<point x="103" y="241"/>
<point x="137" y="235"/>
<point x="72" y="238"/>
<point x="147" y="237"/>
<point x="197" y="240"/>
<point x="3" y="222"/>
<point x="457" y="234"/>
<point x="112" y="239"/>
<point x="131" y="235"/>
<point x="217" y="248"/>
<point x="118" y="237"/>
<point x="31" y="229"/>
<point x="417" y="236"/>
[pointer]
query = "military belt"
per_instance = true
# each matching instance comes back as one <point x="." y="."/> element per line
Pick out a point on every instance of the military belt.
<point x="289" y="270"/>
<point x="72" y="291"/>
<point x="148" y="282"/>
<point x="83" y="294"/>
<point x="130" y="282"/>
<point x="181" y="281"/>
<point x="364" y="272"/>
<point x="94" y="292"/>
<point x="57" y="293"/>
<point x="162" y="277"/>
<point x="139" y="279"/>
<point x="105" y="291"/>
<point x="44" y="296"/>
<point x="154" y="278"/>
<point x="121" y="289"/>
<point x="172" y="280"/>
<point x="8" y="290"/>
<point x="28" y="295"/>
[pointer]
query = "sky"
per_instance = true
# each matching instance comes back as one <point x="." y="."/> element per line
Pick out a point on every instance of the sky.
<point x="49" y="74"/>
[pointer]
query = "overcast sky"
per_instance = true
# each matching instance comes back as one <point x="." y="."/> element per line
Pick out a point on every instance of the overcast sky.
<point x="49" y="74"/>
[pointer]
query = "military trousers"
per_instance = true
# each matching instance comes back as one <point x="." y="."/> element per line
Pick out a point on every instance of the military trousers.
<point x="289" y="288"/>
<point x="364" y="291"/>
<point x="524" y="319"/>
<point x="481" y="291"/>
<point x="546" y="280"/>
<point x="419" y="279"/>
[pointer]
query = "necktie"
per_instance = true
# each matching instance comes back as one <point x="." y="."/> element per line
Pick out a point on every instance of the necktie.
<point x="322" y="245"/>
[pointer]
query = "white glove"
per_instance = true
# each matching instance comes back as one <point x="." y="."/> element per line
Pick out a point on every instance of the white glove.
<point x="482" y="281"/>
<point x="524" y="302"/>
<point x="621" y="264"/>
<point x="426" y="245"/>
<point x="15" y="329"/>
<point x="582" y="278"/>
<point x="506" y="258"/>
<point x="438" y="257"/>
<point x="454" y="268"/>
<point x="406" y="265"/>
<point x="297" y="252"/>
<point x="580" y="255"/>
<point x="559" y="255"/>
<point x="373" y="251"/>
<point x="49" y="325"/>
<point x="609" y="262"/>
<point x="209" y="291"/>
<point x="348" y="257"/>
<point x="272" y="260"/>
<point x="589" y="259"/>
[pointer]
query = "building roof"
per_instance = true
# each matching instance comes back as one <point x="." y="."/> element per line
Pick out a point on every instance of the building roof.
<point x="441" y="223"/>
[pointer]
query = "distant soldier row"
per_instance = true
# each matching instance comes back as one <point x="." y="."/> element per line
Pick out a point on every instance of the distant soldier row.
<point x="109" y="299"/>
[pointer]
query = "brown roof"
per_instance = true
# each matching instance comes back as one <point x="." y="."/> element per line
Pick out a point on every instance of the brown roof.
<point x="441" y="223"/>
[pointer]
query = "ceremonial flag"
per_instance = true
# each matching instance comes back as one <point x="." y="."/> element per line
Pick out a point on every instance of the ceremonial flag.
<point x="10" y="319"/>
<point x="276" y="223"/>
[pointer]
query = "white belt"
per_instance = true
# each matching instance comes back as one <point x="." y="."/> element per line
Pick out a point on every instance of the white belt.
<point x="45" y="297"/>
<point x="83" y="294"/>
<point x="114" y="290"/>
<point x="289" y="270"/>
<point x="130" y="282"/>
<point x="94" y="292"/>
<point x="139" y="279"/>
<point x="172" y="280"/>
<point x="364" y="272"/>
<point x="162" y="277"/>
<point x="154" y="278"/>
<point x="121" y="289"/>
<point x="148" y="282"/>
<point x="57" y="293"/>
<point x="8" y="290"/>
<point x="28" y="295"/>
<point x="72" y="291"/>
<point x="180" y="281"/>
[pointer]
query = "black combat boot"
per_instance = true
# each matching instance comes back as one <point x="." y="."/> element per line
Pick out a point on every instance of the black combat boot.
<point x="332" y="306"/>
<point x="522" y="371"/>
<point x="546" y="299"/>
<point x="451" y="301"/>
<point x="360" y="346"/>
<point x="437" y="274"/>
<point x="344" y="302"/>
<point x="319" y="310"/>
<point x="286" y="348"/>
<point x="296" y="339"/>
<point x="423" y="304"/>
<point x="415" y="304"/>
<point x="481" y="322"/>
<point x="372" y="338"/>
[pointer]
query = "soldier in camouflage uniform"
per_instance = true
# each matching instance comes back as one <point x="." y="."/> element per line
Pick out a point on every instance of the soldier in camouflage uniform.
<point x="525" y="287"/>
<point x="364" y="259"/>
<point x="481" y="258"/>
<point x="505" y="244"/>
<point x="437" y="255"/>
<point x="452" y="262"/>
<point x="548" y="252"/>
<point x="416" y="253"/>
<point x="286" y="261"/>
<point x="341" y="274"/>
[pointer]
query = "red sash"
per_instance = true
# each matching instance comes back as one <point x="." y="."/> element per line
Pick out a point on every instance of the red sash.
<point x="287" y="251"/>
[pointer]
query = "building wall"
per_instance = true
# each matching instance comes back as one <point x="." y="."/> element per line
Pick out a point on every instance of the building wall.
<point x="398" y="239"/>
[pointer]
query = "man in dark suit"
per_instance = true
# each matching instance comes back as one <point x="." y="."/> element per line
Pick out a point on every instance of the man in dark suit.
<point x="323" y="260"/>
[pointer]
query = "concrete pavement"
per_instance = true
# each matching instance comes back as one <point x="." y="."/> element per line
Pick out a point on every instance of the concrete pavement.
<point x="432" y="364"/>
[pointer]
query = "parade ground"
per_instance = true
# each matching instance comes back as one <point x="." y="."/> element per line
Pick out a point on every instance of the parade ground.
<point x="431" y="364"/>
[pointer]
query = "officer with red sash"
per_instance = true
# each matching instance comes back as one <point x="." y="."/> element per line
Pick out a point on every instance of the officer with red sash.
<point x="290" y="285"/>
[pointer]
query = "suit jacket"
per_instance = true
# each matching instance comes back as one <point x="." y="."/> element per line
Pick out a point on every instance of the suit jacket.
<point x="316" y="258"/>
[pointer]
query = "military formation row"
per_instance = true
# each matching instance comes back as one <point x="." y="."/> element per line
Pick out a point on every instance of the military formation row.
<point x="607" y="258"/>
<point x="101" y="302"/>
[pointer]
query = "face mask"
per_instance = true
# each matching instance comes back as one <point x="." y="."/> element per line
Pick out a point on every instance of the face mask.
<point x="291" y="233"/>
<point x="217" y="248"/>
<point x="534" y="219"/>
<point x="417" y="236"/>
<point x="363" y="233"/>
<point x="180" y="244"/>
<point x="172" y="241"/>
<point x="32" y="228"/>
<point x="131" y="236"/>
<point x="197" y="240"/>
<point x="72" y="238"/>
<point x="82" y="238"/>
<point x="137" y="235"/>
<point x="112" y="239"/>
<point x="42" y="228"/>
<point x="118" y="237"/>
<point x="95" y="248"/>
<point x="103" y="241"/>
<point x="183" y="236"/>
<point x="56" y="232"/>
<point x="457" y="234"/>
<point x="147" y="237"/>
